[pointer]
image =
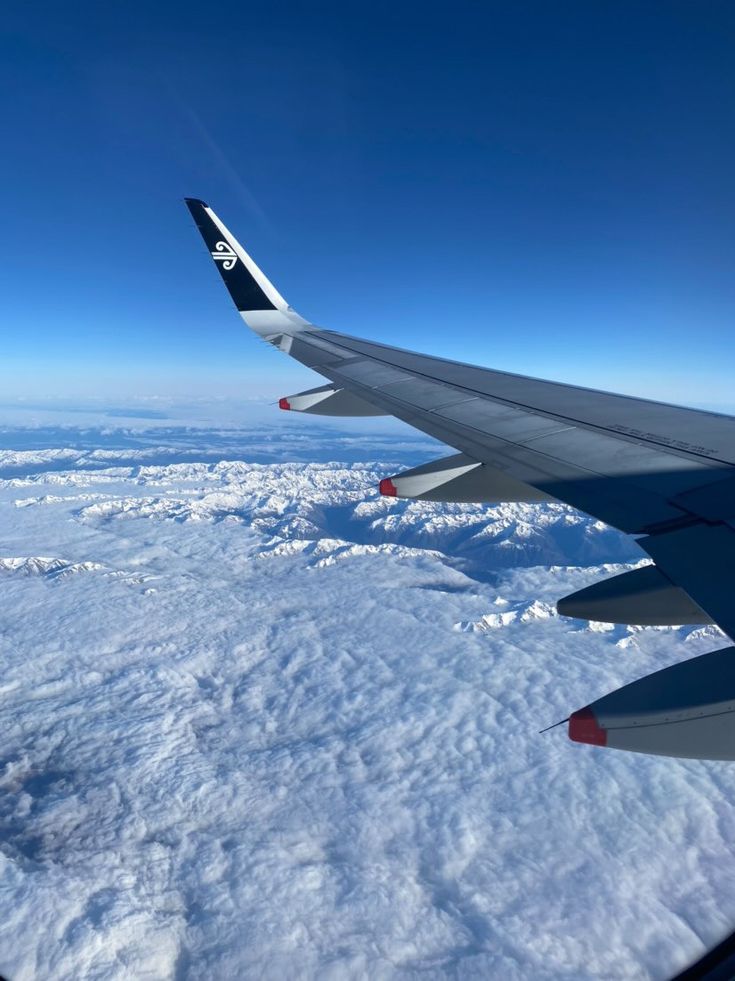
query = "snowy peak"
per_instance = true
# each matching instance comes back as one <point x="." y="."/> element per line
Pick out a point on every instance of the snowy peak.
<point x="49" y="568"/>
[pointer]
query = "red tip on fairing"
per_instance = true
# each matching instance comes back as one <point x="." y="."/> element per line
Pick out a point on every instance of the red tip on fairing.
<point x="284" y="404"/>
<point x="583" y="728"/>
<point x="387" y="487"/>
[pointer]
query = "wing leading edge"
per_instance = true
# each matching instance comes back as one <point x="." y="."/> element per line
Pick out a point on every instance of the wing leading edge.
<point x="661" y="472"/>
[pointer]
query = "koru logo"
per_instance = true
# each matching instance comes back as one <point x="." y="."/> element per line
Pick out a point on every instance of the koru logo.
<point x="224" y="254"/>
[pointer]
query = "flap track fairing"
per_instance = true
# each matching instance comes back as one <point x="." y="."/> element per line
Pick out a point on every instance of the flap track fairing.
<point x="644" y="597"/>
<point x="686" y="710"/>
<point x="329" y="401"/>
<point x="460" y="479"/>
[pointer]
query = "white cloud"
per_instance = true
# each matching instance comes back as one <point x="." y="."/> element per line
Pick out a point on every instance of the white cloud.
<point x="253" y="741"/>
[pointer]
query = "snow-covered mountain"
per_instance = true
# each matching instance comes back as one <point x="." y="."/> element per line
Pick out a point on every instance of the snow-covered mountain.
<point x="259" y="721"/>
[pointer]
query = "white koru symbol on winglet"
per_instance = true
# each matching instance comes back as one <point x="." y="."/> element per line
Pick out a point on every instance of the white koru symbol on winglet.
<point x="224" y="254"/>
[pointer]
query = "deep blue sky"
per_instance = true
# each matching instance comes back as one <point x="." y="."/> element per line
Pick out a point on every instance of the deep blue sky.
<point x="543" y="187"/>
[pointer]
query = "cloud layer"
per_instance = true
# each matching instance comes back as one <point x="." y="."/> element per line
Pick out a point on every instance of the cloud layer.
<point x="258" y="721"/>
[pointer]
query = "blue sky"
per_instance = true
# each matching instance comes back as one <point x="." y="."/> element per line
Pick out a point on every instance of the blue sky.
<point x="545" y="188"/>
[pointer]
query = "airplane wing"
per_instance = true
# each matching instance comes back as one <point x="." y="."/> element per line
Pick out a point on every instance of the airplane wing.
<point x="663" y="473"/>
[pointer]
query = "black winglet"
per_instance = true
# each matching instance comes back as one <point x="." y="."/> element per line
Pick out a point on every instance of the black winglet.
<point x="236" y="268"/>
